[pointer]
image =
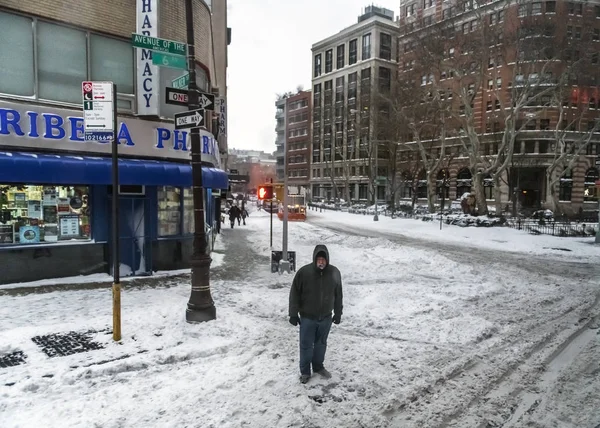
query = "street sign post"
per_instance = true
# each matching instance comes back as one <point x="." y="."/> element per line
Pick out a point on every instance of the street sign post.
<point x="158" y="45"/>
<point x="167" y="60"/>
<point x="98" y="111"/>
<point x="181" y="82"/>
<point x="189" y="119"/>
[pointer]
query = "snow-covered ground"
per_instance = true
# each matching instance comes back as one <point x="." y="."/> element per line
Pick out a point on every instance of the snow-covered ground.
<point x="493" y="238"/>
<point x="425" y="340"/>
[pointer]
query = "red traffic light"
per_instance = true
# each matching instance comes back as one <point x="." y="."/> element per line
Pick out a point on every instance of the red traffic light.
<point x="265" y="192"/>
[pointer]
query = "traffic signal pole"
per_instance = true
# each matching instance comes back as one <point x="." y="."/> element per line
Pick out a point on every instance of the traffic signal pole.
<point x="284" y="264"/>
<point x="273" y="194"/>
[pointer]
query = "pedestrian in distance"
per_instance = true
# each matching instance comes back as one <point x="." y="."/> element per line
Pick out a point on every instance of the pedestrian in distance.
<point x="234" y="212"/>
<point x="316" y="291"/>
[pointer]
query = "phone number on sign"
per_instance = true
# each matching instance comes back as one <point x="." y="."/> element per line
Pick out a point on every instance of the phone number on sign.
<point x="98" y="137"/>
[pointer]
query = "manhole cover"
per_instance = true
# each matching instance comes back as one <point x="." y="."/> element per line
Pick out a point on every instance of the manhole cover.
<point x="12" y="359"/>
<point x="63" y="344"/>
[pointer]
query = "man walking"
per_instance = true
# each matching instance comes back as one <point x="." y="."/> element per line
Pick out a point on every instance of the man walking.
<point x="316" y="291"/>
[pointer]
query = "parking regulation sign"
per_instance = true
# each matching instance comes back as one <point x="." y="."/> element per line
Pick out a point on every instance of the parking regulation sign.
<point x="98" y="111"/>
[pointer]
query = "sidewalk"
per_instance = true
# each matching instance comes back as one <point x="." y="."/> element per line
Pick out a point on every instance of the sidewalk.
<point x="239" y="261"/>
<point x="236" y="263"/>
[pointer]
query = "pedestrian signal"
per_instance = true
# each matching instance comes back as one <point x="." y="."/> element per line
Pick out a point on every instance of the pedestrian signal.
<point x="265" y="192"/>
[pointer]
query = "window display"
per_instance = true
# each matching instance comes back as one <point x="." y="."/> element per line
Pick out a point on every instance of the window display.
<point x="169" y="211"/>
<point x="188" y="211"/>
<point x="43" y="214"/>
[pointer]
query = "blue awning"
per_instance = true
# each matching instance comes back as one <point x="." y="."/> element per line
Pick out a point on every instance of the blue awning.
<point x="37" y="168"/>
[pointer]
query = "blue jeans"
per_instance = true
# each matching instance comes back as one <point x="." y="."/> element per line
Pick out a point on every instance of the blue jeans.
<point x="313" y="343"/>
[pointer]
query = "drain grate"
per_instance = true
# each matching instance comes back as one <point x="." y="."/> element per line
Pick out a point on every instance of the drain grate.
<point x="63" y="344"/>
<point x="12" y="359"/>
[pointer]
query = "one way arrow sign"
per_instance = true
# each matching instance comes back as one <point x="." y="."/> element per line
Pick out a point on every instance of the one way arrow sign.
<point x="189" y="119"/>
<point x="206" y="101"/>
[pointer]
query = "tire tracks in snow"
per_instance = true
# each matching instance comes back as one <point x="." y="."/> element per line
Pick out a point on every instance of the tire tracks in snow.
<point x="497" y="386"/>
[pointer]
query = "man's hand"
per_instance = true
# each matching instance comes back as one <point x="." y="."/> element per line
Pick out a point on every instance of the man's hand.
<point x="337" y="319"/>
<point x="294" y="321"/>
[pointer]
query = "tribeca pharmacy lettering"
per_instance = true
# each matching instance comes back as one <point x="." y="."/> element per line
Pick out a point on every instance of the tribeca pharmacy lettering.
<point x="49" y="126"/>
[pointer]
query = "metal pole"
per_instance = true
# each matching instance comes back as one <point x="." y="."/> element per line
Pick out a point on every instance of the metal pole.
<point x="284" y="264"/>
<point x="116" y="288"/>
<point x="201" y="306"/>
<point x="597" y="240"/>
<point x="272" y="214"/>
<point x="376" y="187"/>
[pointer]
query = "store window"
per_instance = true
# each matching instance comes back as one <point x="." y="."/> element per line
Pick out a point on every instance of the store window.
<point x="188" y="211"/>
<point x="169" y="211"/>
<point x="44" y="214"/>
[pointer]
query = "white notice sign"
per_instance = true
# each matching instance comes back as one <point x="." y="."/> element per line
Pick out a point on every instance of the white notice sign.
<point x="98" y="110"/>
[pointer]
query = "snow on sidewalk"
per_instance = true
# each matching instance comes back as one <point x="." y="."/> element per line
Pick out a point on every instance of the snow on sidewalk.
<point x="493" y="238"/>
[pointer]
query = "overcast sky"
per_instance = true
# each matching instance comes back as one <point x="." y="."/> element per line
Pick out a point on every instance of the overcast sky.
<point x="270" y="54"/>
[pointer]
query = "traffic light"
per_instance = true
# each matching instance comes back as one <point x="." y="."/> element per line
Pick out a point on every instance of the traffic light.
<point x="265" y="192"/>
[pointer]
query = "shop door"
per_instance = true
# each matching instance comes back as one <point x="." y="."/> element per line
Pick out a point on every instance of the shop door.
<point x="134" y="243"/>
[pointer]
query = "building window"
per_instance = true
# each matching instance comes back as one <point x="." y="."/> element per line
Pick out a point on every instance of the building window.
<point x="463" y="182"/>
<point x="536" y="8"/>
<point x="329" y="61"/>
<point x="544" y="124"/>
<point x="589" y="186"/>
<point x="340" y="56"/>
<point x="575" y="8"/>
<point x="43" y="214"/>
<point x="385" y="48"/>
<point x="169" y="211"/>
<point x="596" y="35"/>
<point x="56" y="46"/>
<point x="318" y="65"/>
<point x="565" y="186"/>
<point x="112" y="60"/>
<point x="385" y="79"/>
<point x="551" y="6"/>
<point x="428" y="3"/>
<point x="352" y="52"/>
<point x="501" y="16"/>
<point x="16" y="56"/>
<point x="366" y="46"/>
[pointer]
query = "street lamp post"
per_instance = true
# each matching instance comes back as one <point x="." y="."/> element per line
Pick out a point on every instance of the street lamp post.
<point x="200" y="307"/>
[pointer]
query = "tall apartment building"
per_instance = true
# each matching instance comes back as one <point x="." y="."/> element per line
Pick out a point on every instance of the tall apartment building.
<point x="350" y="69"/>
<point x="297" y="144"/>
<point x="280" y="138"/>
<point x="533" y="48"/>
<point x="55" y="183"/>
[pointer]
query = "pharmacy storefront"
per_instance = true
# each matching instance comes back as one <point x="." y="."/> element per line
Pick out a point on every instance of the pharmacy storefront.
<point x="55" y="195"/>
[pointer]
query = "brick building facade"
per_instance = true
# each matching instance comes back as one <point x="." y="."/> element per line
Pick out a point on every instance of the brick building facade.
<point x="572" y="33"/>
<point x="298" y="110"/>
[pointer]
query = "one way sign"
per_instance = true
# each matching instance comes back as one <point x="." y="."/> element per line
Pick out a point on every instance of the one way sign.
<point x="206" y="101"/>
<point x="189" y="119"/>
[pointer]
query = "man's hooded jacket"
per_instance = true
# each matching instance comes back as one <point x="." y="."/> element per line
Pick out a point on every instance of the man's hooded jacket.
<point x="316" y="292"/>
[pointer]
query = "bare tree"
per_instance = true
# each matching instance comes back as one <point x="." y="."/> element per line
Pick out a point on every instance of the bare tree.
<point x="458" y="68"/>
